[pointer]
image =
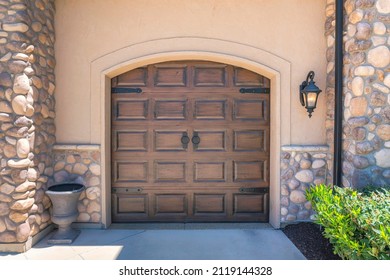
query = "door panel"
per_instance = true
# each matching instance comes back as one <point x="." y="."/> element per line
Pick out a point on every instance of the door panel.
<point x="166" y="140"/>
<point x="250" y="140"/>
<point x="246" y="171"/>
<point x="173" y="171"/>
<point x="250" y="110"/>
<point x="244" y="204"/>
<point x="170" y="109"/>
<point x="211" y="140"/>
<point x="170" y="75"/>
<point x="190" y="147"/>
<point x="130" y="140"/>
<point x="214" y="76"/>
<point x="209" y="172"/>
<point x="134" y="204"/>
<point x="210" y="110"/>
<point x="130" y="171"/>
<point x="171" y="204"/>
<point x="130" y="109"/>
<point x="209" y="204"/>
<point x="133" y="78"/>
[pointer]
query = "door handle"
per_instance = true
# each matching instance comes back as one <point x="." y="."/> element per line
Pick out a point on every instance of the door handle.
<point x="195" y="140"/>
<point x="185" y="140"/>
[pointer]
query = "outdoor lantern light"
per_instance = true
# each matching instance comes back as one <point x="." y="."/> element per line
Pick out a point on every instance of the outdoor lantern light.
<point x="308" y="93"/>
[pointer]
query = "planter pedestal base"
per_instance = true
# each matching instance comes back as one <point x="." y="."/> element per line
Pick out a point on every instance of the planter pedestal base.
<point x="64" y="236"/>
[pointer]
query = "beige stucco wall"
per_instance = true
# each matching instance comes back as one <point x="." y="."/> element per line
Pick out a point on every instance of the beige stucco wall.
<point x="88" y="30"/>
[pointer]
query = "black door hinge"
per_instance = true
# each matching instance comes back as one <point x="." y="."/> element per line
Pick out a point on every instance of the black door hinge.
<point x="254" y="190"/>
<point x="126" y="90"/>
<point x="255" y="90"/>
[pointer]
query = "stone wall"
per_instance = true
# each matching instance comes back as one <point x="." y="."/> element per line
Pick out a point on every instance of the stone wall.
<point x="81" y="164"/>
<point x="26" y="116"/>
<point x="366" y="95"/>
<point x="330" y="25"/>
<point x="366" y="128"/>
<point x="301" y="167"/>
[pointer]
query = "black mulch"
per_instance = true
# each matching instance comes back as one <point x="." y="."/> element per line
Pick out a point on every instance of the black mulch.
<point x="308" y="238"/>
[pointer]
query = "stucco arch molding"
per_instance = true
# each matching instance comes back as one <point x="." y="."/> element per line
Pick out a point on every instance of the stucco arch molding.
<point x="187" y="48"/>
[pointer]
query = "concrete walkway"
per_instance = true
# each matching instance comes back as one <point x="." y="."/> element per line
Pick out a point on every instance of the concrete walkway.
<point x="170" y="242"/>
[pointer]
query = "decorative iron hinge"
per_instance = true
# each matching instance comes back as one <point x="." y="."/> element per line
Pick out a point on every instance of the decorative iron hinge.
<point x="254" y="190"/>
<point x="127" y="190"/>
<point x="126" y="90"/>
<point x="255" y="90"/>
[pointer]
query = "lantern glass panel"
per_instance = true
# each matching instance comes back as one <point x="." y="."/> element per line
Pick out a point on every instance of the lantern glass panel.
<point x="311" y="99"/>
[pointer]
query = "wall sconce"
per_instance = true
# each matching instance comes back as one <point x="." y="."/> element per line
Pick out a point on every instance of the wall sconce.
<point x="308" y="93"/>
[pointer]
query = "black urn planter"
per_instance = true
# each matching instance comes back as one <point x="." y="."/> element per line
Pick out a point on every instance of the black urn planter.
<point x="64" y="198"/>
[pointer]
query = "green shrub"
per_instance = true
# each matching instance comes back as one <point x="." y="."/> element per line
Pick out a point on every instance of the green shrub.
<point x="357" y="223"/>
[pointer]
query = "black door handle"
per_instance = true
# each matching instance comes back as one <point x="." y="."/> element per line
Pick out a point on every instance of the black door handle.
<point x="195" y="140"/>
<point x="185" y="140"/>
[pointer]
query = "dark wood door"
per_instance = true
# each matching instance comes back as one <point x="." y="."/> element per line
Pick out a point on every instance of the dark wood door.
<point x="190" y="147"/>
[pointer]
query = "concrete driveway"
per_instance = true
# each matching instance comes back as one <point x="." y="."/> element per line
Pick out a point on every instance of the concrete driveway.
<point x="170" y="242"/>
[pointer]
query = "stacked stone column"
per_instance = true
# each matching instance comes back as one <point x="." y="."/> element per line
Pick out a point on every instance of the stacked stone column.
<point x="366" y="95"/>
<point x="330" y="25"/>
<point x="366" y="120"/>
<point x="26" y="116"/>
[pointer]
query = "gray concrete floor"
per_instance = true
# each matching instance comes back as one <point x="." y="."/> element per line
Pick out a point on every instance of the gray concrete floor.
<point x="169" y="242"/>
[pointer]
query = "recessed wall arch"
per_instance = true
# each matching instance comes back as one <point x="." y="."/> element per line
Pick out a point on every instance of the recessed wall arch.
<point x="130" y="57"/>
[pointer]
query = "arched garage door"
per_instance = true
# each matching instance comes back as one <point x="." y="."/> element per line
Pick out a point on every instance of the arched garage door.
<point x="190" y="143"/>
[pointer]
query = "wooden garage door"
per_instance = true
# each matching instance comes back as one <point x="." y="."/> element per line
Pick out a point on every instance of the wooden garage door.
<point x="190" y="147"/>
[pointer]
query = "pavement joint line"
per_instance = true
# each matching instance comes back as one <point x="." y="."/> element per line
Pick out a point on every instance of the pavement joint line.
<point x="123" y="238"/>
<point x="130" y="236"/>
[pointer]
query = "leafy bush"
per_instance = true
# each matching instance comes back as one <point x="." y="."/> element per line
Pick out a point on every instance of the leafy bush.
<point x="357" y="223"/>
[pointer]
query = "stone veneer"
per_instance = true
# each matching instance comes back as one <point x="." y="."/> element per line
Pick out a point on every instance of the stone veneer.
<point x="366" y="97"/>
<point x="301" y="167"/>
<point x="26" y="117"/>
<point x="81" y="164"/>
<point x="330" y="24"/>
<point x="366" y="126"/>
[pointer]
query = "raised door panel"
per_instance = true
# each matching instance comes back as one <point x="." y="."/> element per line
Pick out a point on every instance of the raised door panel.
<point x="132" y="204"/>
<point x="250" y="110"/>
<point x="211" y="140"/>
<point x="130" y="171"/>
<point x="130" y="110"/>
<point x="245" y="203"/>
<point x="249" y="171"/>
<point x="170" y="75"/>
<point x="250" y="140"/>
<point x="210" y="110"/>
<point x="137" y="77"/>
<point x="209" y="76"/>
<point x="243" y="77"/>
<point x="209" y="172"/>
<point x="170" y="171"/>
<point x="130" y="141"/>
<point x="170" y="109"/>
<point x="170" y="204"/>
<point x="166" y="141"/>
<point x="209" y="204"/>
